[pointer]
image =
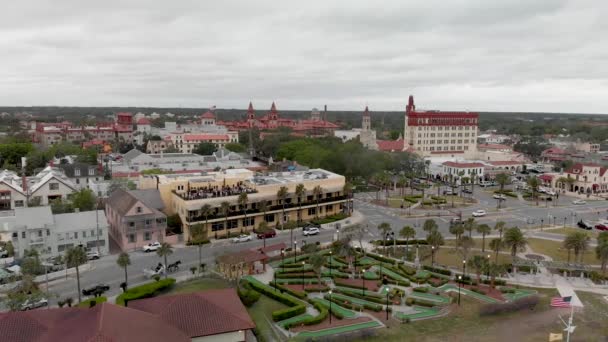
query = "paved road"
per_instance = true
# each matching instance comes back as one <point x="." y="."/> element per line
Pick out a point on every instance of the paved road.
<point x="514" y="212"/>
<point x="107" y="271"/>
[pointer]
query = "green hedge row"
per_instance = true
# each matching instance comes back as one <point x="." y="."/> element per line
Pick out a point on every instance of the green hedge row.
<point x="415" y="301"/>
<point x="339" y="283"/>
<point x="247" y="294"/>
<point x="334" y="308"/>
<point x="497" y="282"/>
<point x="295" y="275"/>
<point x="407" y="269"/>
<point x="281" y="288"/>
<point x="384" y="259"/>
<point x="437" y="270"/>
<point x="97" y="300"/>
<point x="374" y="307"/>
<point x="145" y="291"/>
<point x="296" y="307"/>
<point x="374" y="299"/>
<point x="422" y="289"/>
<point x="400" y="242"/>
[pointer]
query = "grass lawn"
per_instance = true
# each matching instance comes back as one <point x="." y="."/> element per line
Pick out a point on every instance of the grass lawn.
<point x="261" y="313"/>
<point x="591" y="322"/>
<point x="451" y="257"/>
<point x="555" y="250"/>
<point x="465" y="324"/>
<point x="200" y="284"/>
<point x="568" y="230"/>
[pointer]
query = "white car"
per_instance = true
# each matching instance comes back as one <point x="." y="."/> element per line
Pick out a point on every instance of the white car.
<point x="34" y="304"/>
<point x="241" y="238"/>
<point x="499" y="196"/>
<point x="479" y="213"/>
<point x="92" y="255"/>
<point x="579" y="201"/>
<point x="151" y="247"/>
<point x="311" y="231"/>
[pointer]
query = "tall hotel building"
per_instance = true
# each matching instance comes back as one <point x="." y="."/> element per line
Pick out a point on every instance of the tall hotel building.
<point x="440" y="134"/>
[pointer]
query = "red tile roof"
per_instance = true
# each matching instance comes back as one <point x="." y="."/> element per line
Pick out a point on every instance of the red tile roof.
<point x="462" y="165"/>
<point x="493" y="147"/>
<point x="390" y="145"/>
<point x="579" y="168"/>
<point x="143" y="121"/>
<point x="104" y="322"/>
<point x="201" y="313"/>
<point x="205" y="137"/>
<point x="271" y="248"/>
<point x="208" y="115"/>
<point x="554" y="150"/>
<point x="505" y="162"/>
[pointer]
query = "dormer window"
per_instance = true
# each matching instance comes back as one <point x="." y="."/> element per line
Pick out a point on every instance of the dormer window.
<point x="138" y="209"/>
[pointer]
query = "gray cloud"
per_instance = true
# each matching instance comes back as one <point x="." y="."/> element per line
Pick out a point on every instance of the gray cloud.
<point x="542" y="55"/>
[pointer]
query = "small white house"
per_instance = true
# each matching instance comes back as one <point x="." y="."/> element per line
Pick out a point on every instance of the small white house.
<point x="462" y="169"/>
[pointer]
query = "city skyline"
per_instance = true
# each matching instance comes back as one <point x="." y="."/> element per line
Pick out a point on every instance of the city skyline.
<point x="462" y="55"/>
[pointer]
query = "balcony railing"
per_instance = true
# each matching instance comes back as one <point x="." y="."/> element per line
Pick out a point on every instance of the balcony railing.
<point x="253" y="211"/>
<point x="213" y="194"/>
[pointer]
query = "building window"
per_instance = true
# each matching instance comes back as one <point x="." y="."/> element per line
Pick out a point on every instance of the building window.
<point x="131" y="224"/>
<point x="77" y="180"/>
<point x="148" y="222"/>
<point x="217" y="226"/>
<point x="19" y="204"/>
<point x="131" y="238"/>
<point x="15" y="235"/>
<point x="233" y="224"/>
<point x="147" y="236"/>
<point x="138" y="209"/>
<point x="249" y="221"/>
<point x="23" y="235"/>
<point x="92" y="171"/>
<point x="77" y="172"/>
<point x="269" y="217"/>
<point x="75" y="235"/>
<point x="84" y="234"/>
<point x="53" y="186"/>
<point x="48" y="232"/>
<point x="312" y="211"/>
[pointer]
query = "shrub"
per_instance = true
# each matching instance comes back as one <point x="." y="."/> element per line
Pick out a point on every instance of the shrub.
<point x="497" y="282"/>
<point x="526" y="303"/>
<point x="87" y="303"/>
<point x="407" y="269"/>
<point x="248" y="296"/>
<point x="421" y="302"/>
<point x="145" y="291"/>
<point x="409" y="301"/>
<point x="323" y="312"/>
<point x="400" y="242"/>
<point x="197" y="242"/>
<point x="379" y="300"/>
<point x="436" y="282"/>
<point x="507" y="290"/>
<point x="330" y="219"/>
<point x="339" y="283"/>
<point x="295" y="275"/>
<point x="438" y="270"/>
<point x="282" y="289"/>
<point x="280" y="315"/>
<point x="316" y="289"/>
<point x="422" y="289"/>
<point x="478" y="290"/>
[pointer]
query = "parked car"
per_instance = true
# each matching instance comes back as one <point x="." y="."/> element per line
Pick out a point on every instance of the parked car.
<point x="3" y="253"/>
<point x="94" y="290"/>
<point x="584" y="225"/>
<point x="479" y="213"/>
<point x="550" y="193"/>
<point x="499" y="196"/>
<point x="449" y="192"/>
<point x="311" y="225"/>
<point x="267" y="234"/>
<point x="579" y="201"/>
<point x="484" y="184"/>
<point x="601" y="226"/>
<point x="242" y="238"/>
<point x="455" y="220"/>
<point x="151" y="247"/>
<point x="34" y="304"/>
<point x="92" y="255"/>
<point x="467" y="191"/>
<point x="311" y="231"/>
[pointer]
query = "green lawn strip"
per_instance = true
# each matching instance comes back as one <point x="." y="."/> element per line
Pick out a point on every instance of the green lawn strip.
<point x="296" y="319"/>
<point x="360" y="292"/>
<point x="421" y="312"/>
<point x="335" y="262"/>
<point x="422" y="274"/>
<point x="354" y="300"/>
<point x="367" y="261"/>
<point x="297" y="281"/>
<point x="453" y="288"/>
<point x="394" y="275"/>
<point x="335" y="273"/>
<point x="518" y="294"/>
<point x="430" y="297"/>
<point x="335" y="307"/>
<point x="340" y="330"/>
<point x="270" y="288"/>
<point x="371" y="275"/>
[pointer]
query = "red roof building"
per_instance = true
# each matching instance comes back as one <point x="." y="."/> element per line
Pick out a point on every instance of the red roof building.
<point x="390" y="145"/>
<point x="273" y="120"/>
<point x="143" y="121"/>
<point x="54" y="133"/>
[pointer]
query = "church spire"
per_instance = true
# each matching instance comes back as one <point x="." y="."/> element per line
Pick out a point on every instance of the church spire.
<point x="410" y="105"/>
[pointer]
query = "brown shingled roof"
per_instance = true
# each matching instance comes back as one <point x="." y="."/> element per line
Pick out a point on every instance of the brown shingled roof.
<point x="201" y="313"/>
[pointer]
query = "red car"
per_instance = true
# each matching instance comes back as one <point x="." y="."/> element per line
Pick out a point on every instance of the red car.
<point x="601" y="226"/>
<point x="267" y="234"/>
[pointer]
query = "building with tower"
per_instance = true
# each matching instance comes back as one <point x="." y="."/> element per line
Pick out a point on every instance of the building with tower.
<point x="433" y="133"/>
<point x="367" y="136"/>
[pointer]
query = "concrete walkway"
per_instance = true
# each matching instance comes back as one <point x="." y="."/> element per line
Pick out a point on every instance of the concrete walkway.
<point x="565" y="289"/>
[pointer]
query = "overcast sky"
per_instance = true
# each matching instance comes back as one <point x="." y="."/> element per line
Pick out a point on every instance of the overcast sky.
<point x="529" y="55"/>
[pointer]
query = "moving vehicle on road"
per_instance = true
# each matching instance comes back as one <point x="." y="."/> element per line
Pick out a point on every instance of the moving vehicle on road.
<point x="157" y="270"/>
<point x="92" y="255"/>
<point x="584" y="225"/>
<point x="579" y="201"/>
<point x="499" y="196"/>
<point x="479" y="213"/>
<point x="31" y="304"/>
<point x="467" y="191"/>
<point x="455" y="220"/>
<point x="267" y="234"/>
<point x="151" y="247"/>
<point x="602" y="226"/>
<point x="242" y="238"/>
<point x="311" y="231"/>
<point x="484" y="184"/>
<point x="96" y="290"/>
<point x="449" y="192"/>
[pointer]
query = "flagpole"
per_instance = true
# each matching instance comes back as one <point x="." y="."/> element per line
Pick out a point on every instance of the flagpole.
<point x="570" y="323"/>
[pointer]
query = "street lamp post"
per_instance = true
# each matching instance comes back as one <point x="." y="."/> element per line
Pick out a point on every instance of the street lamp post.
<point x="329" y="307"/>
<point x="283" y="259"/>
<point x="464" y="268"/>
<point x="433" y="256"/>
<point x="541" y="223"/>
<point x="303" y="264"/>
<point x="565" y="218"/>
<point x="488" y="275"/>
<point x="387" y="291"/>
<point x="330" y="264"/>
<point x="459" y="285"/>
<point x="295" y="250"/>
<point x="363" y="278"/>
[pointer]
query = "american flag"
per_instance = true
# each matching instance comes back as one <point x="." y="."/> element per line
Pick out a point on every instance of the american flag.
<point x="561" y="302"/>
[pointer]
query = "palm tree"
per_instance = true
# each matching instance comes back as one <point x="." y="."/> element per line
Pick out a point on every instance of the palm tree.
<point x="496" y="246"/>
<point x="384" y="229"/>
<point x="435" y="240"/>
<point x="473" y="181"/>
<point x="317" y="192"/>
<point x="568" y="244"/>
<point x="601" y="250"/>
<point x="123" y="261"/>
<point x="263" y="207"/>
<point x="580" y="244"/>
<point x="429" y="225"/>
<point x="317" y="261"/>
<point x="76" y="256"/>
<point x="457" y="230"/>
<point x="484" y="230"/>
<point x="502" y="179"/>
<point x="164" y="251"/>
<point x="515" y="240"/>
<point x="407" y="233"/>
<point x="242" y="201"/>
<point x="198" y="233"/>
<point x="225" y="210"/>
<point x="478" y="263"/>
<point x="469" y="226"/>
<point x="282" y="196"/>
<point x="494" y="270"/>
<point x="534" y="183"/>
<point x="300" y="192"/>
<point x="465" y="244"/>
<point x="347" y="190"/>
<point x="206" y="211"/>
<point x="500" y="227"/>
